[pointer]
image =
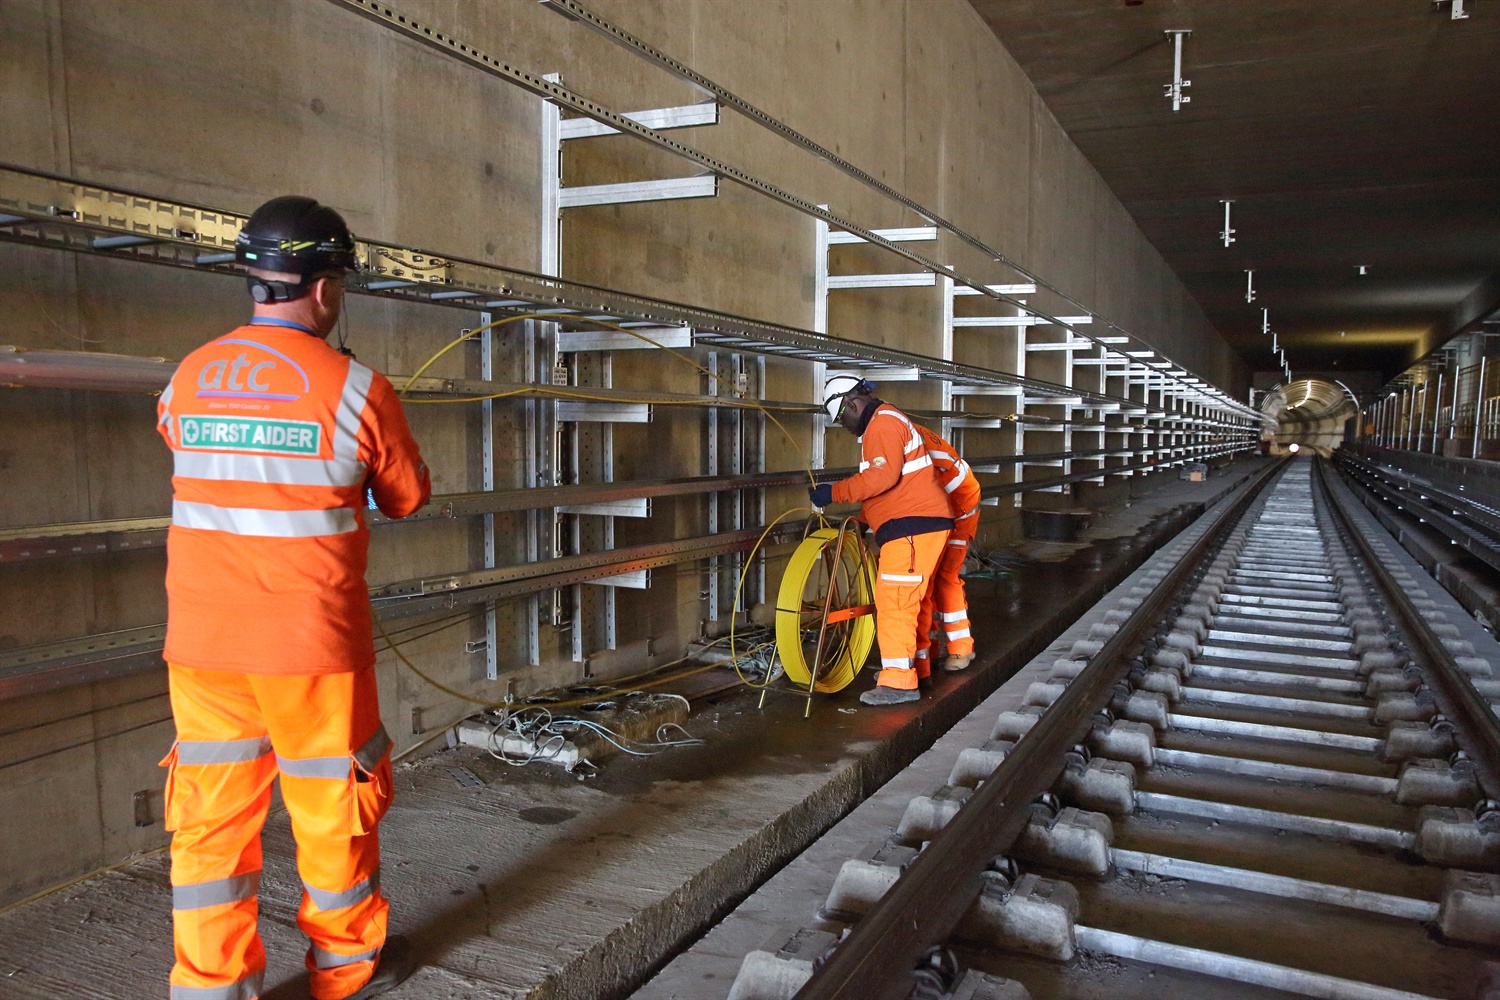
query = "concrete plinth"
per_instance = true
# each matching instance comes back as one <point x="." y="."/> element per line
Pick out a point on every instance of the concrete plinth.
<point x="1438" y="783"/>
<point x="1014" y="725"/>
<point x="1413" y="740"/>
<point x="777" y="972"/>
<point x="1106" y="786"/>
<point x="1405" y="706"/>
<point x="1471" y="908"/>
<point x="1129" y="741"/>
<point x="1073" y="841"/>
<point x="975" y="764"/>
<point x="1454" y="838"/>
<point x="1143" y="706"/>
<point x="864" y="879"/>
<point x="1382" y="681"/>
<point x="927" y="814"/>
<point x="1035" y="917"/>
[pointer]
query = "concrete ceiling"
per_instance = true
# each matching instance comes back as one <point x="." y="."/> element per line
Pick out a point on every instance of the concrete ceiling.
<point x="1347" y="132"/>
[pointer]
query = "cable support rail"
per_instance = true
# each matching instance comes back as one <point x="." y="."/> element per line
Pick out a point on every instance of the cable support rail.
<point x="1475" y="723"/>
<point x="70" y="538"/>
<point x="555" y="92"/>
<point x="29" y="669"/>
<point x="575" y="11"/>
<point x="924" y="906"/>
<point x="22" y="367"/>
<point x="62" y="213"/>
<point x="1479" y="539"/>
<point x="1472" y="506"/>
<point x="132" y="534"/>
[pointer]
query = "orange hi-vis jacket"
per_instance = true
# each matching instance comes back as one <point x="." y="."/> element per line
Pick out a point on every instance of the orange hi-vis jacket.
<point x="954" y="474"/>
<point x="275" y="437"/>
<point x="896" y="478"/>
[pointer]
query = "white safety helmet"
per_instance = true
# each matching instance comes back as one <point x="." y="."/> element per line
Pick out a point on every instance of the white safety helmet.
<point x="838" y="388"/>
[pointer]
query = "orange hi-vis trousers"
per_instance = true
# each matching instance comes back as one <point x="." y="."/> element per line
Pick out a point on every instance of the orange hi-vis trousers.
<point x="904" y="573"/>
<point x="235" y="732"/>
<point x="945" y="599"/>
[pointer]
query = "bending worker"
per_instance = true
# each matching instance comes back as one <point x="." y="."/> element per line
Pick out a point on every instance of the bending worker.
<point x="275" y="438"/>
<point x="908" y="511"/>
<point x="945" y="598"/>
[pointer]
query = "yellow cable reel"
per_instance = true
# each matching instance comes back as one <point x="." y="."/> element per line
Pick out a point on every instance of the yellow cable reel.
<point x="825" y="622"/>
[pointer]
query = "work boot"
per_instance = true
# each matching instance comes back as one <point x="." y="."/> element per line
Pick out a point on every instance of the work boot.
<point x="889" y="696"/>
<point x="395" y="963"/>
<point x="957" y="661"/>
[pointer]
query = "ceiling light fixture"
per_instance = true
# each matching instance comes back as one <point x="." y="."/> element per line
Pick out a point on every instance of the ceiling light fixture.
<point x="1174" y="89"/>
<point x="1228" y="234"/>
<point x="1249" y="286"/>
<point x="1364" y="269"/>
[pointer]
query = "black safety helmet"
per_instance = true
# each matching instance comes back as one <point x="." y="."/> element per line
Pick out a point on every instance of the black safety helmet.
<point x="296" y="235"/>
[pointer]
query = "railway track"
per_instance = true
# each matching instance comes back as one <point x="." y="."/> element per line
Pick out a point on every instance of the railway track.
<point x="1265" y="770"/>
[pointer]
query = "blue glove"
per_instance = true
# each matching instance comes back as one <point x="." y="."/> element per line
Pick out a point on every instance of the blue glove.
<point x="821" y="496"/>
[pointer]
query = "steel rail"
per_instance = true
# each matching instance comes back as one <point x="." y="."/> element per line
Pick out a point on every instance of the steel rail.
<point x="574" y="11"/>
<point x="414" y="30"/>
<point x="59" y="212"/>
<point x="927" y="902"/>
<point x="1476" y="725"/>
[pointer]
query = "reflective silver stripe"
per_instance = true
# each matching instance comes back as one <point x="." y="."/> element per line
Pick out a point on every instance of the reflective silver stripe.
<point x="325" y="900"/>
<point x="165" y="419"/>
<point x="315" y="767"/>
<point x="222" y="751"/>
<point x="277" y="469"/>
<point x="953" y="484"/>
<point x="863" y="466"/>
<point x="943" y="455"/>
<point x="958" y="541"/>
<point x="329" y="960"/>
<point x="962" y="633"/>
<point x="893" y="578"/>
<point x="374" y="748"/>
<point x="964" y="517"/>
<point x="916" y="463"/>
<point x="913" y="444"/>
<point x="351" y="406"/>
<point x="952" y="616"/>
<point x="246" y="989"/>
<point x="962" y="467"/>
<point x="896" y="662"/>
<point x="233" y="889"/>
<point x="256" y="522"/>
<point x="922" y="654"/>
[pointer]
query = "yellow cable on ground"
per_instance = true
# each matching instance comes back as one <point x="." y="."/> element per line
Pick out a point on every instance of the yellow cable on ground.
<point x="844" y="661"/>
<point x="740" y="586"/>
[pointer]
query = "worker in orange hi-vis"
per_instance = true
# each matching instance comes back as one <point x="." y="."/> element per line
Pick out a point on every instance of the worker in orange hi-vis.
<point x="275" y="439"/>
<point x="907" y="509"/>
<point x="945" y="598"/>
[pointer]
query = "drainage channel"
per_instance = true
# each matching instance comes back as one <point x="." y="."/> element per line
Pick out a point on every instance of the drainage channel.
<point x="1267" y="804"/>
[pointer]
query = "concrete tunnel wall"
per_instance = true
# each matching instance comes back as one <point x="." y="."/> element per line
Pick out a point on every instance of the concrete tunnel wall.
<point x="229" y="104"/>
